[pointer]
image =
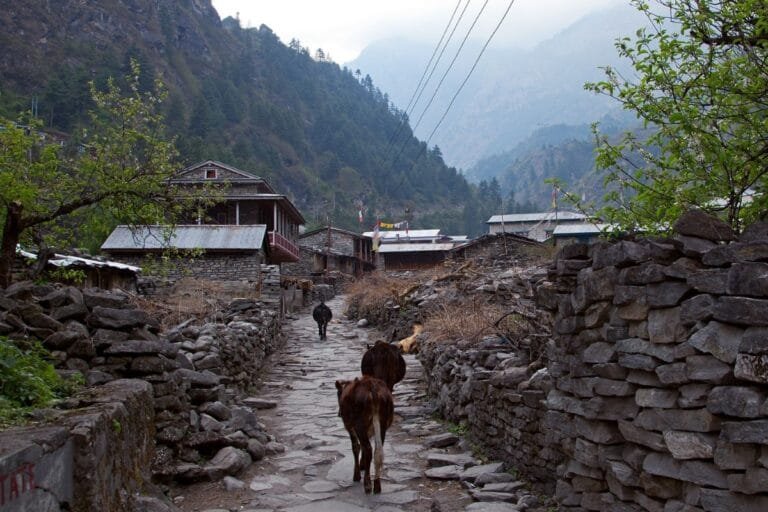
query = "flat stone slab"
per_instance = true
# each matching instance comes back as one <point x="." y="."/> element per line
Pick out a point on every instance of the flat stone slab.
<point x="320" y="486"/>
<point x="504" y="486"/>
<point x="399" y="475"/>
<point x="259" y="403"/>
<point x="475" y="471"/>
<point x="441" y="440"/>
<point x="493" y="496"/>
<point x="464" y="460"/>
<point x="327" y="506"/>
<point x="445" y="473"/>
<point x="484" y="506"/>
<point x="396" y="498"/>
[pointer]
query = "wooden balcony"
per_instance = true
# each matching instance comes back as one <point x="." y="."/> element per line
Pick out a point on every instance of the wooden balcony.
<point x="282" y="249"/>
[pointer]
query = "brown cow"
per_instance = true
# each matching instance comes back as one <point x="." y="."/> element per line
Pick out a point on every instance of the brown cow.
<point x="366" y="407"/>
<point x="384" y="361"/>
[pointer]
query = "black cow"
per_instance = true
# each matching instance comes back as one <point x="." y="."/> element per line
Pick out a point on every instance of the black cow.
<point x="384" y="361"/>
<point x="322" y="315"/>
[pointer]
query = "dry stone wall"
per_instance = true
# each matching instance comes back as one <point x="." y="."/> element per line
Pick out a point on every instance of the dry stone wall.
<point x="660" y="371"/>
<point x="196" y="372"/>
<point x="499" y="395"/>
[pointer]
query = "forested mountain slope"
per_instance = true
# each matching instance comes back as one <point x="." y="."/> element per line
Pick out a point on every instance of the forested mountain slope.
<point x="318" y="132"/>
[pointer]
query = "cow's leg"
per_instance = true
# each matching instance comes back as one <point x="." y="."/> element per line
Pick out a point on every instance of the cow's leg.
<point x="356" y="455"/>
<point x="320" y="329"/>
<point x="365" y="463"/>
<point x="378" y="453"/>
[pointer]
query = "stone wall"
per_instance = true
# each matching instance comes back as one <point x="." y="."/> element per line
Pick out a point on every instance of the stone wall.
<point x="96" y="457"/>
<point x="197" y="371"/>
<point x="660" y="371"/>
<point x="498" y="394"/>
<point x="213" y="266"/>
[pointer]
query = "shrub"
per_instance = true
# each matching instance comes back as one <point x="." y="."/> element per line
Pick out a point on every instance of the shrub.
<point x="27" y="380"/>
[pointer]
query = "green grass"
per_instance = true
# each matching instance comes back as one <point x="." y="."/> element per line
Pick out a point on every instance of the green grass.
<point x="28" y="381"/>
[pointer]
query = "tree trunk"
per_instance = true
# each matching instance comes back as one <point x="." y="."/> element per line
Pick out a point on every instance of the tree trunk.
<point x="11" y="233"/>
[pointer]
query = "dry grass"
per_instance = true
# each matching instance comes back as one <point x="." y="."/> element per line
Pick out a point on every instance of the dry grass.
<point x="374" y="290"/>
<point x="467" y="322"/>
<point x="190" y="297"/>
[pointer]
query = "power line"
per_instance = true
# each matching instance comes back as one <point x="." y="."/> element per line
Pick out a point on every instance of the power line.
<point x="419" y="90"/>
<point x="482" y="51"/>
<point x="434" y="52"/>
<point x="450" y="66"/>
<point x="442" y="79"/>
<point x="466" y="79"/>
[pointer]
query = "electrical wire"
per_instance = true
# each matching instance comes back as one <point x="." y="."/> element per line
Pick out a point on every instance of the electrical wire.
<point x="464" y="82"/>
<point x="419" y="90"/>
<point x="466" y="79"/>
<point x="442" y="79"/>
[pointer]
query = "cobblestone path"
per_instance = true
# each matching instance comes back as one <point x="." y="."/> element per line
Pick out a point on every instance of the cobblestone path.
<point x="314" y="474"/>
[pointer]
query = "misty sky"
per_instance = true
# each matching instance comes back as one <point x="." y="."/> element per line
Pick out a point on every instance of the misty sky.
<point x="343" y="28"/>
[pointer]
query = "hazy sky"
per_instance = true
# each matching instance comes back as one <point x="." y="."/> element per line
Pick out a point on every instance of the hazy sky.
<point x="344" y="27"/>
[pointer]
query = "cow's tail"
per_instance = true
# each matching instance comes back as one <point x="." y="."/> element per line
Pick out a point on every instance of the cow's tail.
<point x="378" y="446"/>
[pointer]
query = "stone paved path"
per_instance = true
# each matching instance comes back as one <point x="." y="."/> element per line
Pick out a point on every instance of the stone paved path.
<point x="314" y="474"/>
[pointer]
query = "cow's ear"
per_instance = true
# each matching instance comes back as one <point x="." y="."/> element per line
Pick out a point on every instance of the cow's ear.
<point x="339" y="385"/>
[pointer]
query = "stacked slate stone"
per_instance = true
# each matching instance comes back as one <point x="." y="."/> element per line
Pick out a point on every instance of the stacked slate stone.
<point x="196" y="373"/>
<point x="661" y="371"/>
<point x="499" y="394"/>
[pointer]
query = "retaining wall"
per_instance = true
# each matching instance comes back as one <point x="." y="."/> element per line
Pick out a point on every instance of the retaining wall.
<point x="94" y="458"/>
<point x="660" y="371"/>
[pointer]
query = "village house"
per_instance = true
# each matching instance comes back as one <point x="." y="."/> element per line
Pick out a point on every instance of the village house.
<point x="584" y="232"/>
<point x="494" y="247"/>
<point x="413" y="249"/>
<point x="536" y="226"/>
<point x="329" y="249"/>
<point x="249" y="226"/>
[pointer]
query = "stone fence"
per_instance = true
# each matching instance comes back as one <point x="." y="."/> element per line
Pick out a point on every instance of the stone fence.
<point x="195" y="373"/>
<point x="660" y="371"/>
<point x="95" y="457"/>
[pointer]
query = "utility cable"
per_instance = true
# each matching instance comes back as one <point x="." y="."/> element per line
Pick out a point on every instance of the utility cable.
<point x="442" y="79"/>
<point x="419" y="88"/>
<point x="466" y="79"/>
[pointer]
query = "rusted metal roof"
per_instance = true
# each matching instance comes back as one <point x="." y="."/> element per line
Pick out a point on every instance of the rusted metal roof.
<point x="208" y="237"/>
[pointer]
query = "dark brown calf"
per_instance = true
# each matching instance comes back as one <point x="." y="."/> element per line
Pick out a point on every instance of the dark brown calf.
<point x="366" y="407"/>
<point x="384" y="361"/>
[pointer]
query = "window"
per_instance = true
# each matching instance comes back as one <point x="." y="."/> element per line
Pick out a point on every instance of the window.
<point x="211" y="174"/>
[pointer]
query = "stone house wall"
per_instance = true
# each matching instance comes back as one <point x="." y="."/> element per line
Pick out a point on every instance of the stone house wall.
<point x="659" y="371"/>
<point x="490" y="389"/>
<point x="213" y="266"/>
<point x="340" y="242"/>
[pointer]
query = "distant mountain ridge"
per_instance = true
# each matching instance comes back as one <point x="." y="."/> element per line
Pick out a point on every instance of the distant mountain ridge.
<point x="318" y="132"/>
<point x="512" y="92"/>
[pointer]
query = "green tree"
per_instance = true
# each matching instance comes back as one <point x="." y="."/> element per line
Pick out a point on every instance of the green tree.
<point x="121" y="167"/>
<point x="702" y="92"/>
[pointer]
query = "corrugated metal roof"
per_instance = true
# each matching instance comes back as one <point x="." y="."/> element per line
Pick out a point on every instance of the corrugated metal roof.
<point x="579" y="229"/>
<point x="209" y="237"/>
<point x="535" y="217"/>
<point x="411" y="234"/>
<point x="390" y="248"/>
